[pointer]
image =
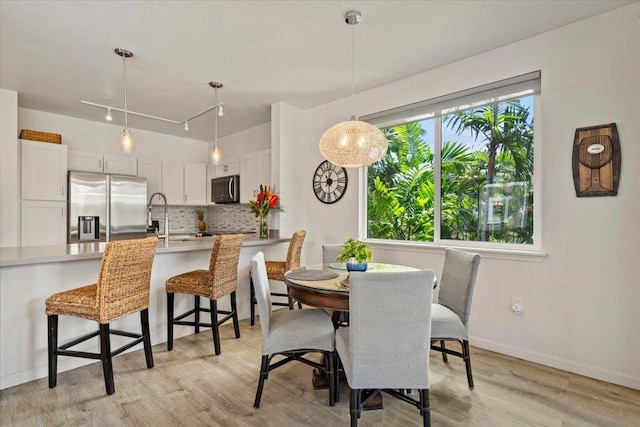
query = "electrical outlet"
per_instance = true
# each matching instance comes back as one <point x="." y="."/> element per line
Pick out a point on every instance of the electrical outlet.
<point x="516" y="305"/>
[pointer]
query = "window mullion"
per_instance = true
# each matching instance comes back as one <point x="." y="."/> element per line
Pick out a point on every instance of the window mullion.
<point x="437" y="149"/>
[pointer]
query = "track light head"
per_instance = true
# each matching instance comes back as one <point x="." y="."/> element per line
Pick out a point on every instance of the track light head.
<point x="186" y="126"/>
<point x="109" y="117"/>
<point x="221" y="109"/>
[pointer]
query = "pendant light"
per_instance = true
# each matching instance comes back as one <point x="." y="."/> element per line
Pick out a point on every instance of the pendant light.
<point x="126" y="139"/>
<point x="216" y="153"/>
<point x="353" y="143"/>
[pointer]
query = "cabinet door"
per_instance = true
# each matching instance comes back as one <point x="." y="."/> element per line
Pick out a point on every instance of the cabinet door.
<point x="212" y="171"/>
<point x="120" y="165"/>
<point x="43" y="223"/>
<point x="153" y="172"/>
<point x="85" y="161"/>
<point x="195" y="184"/>
<point x="248" y="178"/>
<point x="228" y="167"/>
<point x="44" y="171"/>
<point x="173" y="182"/>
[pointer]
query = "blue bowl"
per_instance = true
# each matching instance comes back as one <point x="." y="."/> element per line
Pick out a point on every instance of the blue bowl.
<point x="357" y="266"/>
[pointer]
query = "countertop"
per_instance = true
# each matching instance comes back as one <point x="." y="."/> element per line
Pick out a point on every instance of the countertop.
<point x="79" y="251"/>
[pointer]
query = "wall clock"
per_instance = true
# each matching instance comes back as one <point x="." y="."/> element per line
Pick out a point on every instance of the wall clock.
<point x="329" y="182"/>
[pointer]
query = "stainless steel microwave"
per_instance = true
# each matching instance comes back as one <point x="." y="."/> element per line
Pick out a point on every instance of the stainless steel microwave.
<point x="225" y="189"/>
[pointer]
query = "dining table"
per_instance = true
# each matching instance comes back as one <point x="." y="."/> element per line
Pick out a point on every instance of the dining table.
<point x="326" y="286"/>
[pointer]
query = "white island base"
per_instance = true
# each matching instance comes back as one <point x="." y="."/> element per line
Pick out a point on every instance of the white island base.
<point x="30" y="275"/>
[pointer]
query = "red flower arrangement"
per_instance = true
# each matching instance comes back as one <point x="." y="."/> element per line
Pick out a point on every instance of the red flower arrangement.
<point x="266" y="200"/>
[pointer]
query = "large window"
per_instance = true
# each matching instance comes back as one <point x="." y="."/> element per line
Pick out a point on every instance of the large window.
<point x="459" y="168"/>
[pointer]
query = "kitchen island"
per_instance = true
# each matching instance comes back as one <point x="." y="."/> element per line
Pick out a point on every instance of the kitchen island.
<point x="29" y="275"/>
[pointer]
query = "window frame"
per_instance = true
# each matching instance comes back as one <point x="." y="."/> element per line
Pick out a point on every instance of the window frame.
<point x="413" y="112"/>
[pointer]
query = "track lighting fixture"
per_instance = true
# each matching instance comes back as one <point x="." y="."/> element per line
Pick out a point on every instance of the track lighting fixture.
<point x="109" y="117"/>
<point x="186" y="126"/>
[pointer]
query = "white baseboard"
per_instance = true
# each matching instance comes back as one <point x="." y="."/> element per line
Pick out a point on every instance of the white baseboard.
<point x="555" y="362"/>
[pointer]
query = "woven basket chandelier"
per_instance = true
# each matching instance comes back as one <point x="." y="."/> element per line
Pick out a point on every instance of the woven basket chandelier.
<point x="353" y="143"/>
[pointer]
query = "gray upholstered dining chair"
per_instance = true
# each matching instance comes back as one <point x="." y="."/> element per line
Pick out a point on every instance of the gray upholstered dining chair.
<point x="384" y="346"/>
<point x="291" y="334"/>
<point x="330" y="252"/>
<point x="450" y="316"/>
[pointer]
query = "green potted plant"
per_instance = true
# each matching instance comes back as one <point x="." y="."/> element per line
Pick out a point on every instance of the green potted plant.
<point x="356" y="254"/>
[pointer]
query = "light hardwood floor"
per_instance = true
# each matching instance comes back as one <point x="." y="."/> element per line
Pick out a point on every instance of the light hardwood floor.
<point x="191" y="386"/>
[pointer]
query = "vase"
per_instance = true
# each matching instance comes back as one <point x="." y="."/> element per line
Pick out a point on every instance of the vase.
<point x="353" y="265"/>
<point x="264" y="226"/>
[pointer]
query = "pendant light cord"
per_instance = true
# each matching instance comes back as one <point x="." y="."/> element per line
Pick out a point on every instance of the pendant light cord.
<point x="353" y="71"/>
<point x="124" y="84"/>
<point x="215" y="127"/>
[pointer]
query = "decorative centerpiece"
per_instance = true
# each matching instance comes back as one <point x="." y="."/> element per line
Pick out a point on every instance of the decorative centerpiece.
<point x="356" y="254"/>
<point x="202" y="225"/>
<point x="266" y="200"/>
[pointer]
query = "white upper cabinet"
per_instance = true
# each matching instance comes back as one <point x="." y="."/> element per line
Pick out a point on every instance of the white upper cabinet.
<point x="153" y="172"/>
<point x="87" y="161"/>
<point x="173" y="182"/>
<point x="255" y="169"/>
<point x="195" y="184"/>
<point x="44" y="171"/>
<point x="228" y="167"/>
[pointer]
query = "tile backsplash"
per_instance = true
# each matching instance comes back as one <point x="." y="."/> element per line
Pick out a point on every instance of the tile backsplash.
<point x="231" y="217"/>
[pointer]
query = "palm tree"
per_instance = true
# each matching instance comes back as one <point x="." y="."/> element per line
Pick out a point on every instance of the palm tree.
<point x="505" y="127"/>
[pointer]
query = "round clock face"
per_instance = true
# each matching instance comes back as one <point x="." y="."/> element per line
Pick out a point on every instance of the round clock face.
<point x="329" y="182"/>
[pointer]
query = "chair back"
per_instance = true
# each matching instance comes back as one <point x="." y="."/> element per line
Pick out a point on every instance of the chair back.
<point x="390" y="329"/>
<point x="458" y="282"/>
<point x="223" y="264"/>
<point x="295" y="250"/>
<point x="124" y="279"/>
<point x="263" y="293"/>
<point x="330" y="252"/>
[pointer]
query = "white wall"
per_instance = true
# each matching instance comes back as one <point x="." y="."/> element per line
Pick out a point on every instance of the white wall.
<point x="9" y="179"/>
<point x="79" y="134"/>
<point x="581" y="303"/>
<point x="249" y="140"/>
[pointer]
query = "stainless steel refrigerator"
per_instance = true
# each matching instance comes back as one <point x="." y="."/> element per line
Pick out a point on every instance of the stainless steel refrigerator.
<point x="105" y="207"/>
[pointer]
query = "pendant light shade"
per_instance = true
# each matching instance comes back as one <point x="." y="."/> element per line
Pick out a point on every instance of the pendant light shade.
<point x="353" y="143"/>
<point x="126" y="140"/>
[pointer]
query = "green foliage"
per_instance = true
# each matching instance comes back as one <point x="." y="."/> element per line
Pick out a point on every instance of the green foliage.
<point x="401" y="186"/>
<point x="357" y="249"/>
<point x="200" y="214"/>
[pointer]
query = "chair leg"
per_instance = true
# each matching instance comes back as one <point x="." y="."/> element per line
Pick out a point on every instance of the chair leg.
<point x="329" y="358"/>
<point x="336" y="374"/>
<point x="444" y="355"/>
<point x="144" y="321"/>
<point x="105" y="356"/>
<point x="264" y="371"/>
<point x="214" y="325"/>
<point x="170" y="298"/>
<point x="354" y="403"/>
<point x="196" y="313"/>
<point x="467" y="361"/>
<point x="290" y="300"/>
<point x="52" y="325"/>
<point x="252" y="292"/>
<point x="234" y="314"/>
<point x="425" y="407"/>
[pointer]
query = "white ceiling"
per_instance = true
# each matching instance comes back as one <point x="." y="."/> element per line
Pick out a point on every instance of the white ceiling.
<point x="56" y="53"/>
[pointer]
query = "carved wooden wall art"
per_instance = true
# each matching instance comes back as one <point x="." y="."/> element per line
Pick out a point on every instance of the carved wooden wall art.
<point x="596" y="161"/>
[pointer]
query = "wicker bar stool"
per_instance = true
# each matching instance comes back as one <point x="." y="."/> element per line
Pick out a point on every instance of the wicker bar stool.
<point x="122" y="288"/>
<point x="276" y="270"/>
<point x="219" y="280"/>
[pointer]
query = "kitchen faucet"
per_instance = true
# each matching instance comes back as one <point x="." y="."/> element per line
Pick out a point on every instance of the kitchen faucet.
<point x="166" y="215"/>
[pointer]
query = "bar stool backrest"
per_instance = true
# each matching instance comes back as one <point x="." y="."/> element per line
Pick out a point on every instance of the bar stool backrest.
<point x="223" y="264"/>
<point x="295" y="250"/>
<point x="125" y="277"/>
